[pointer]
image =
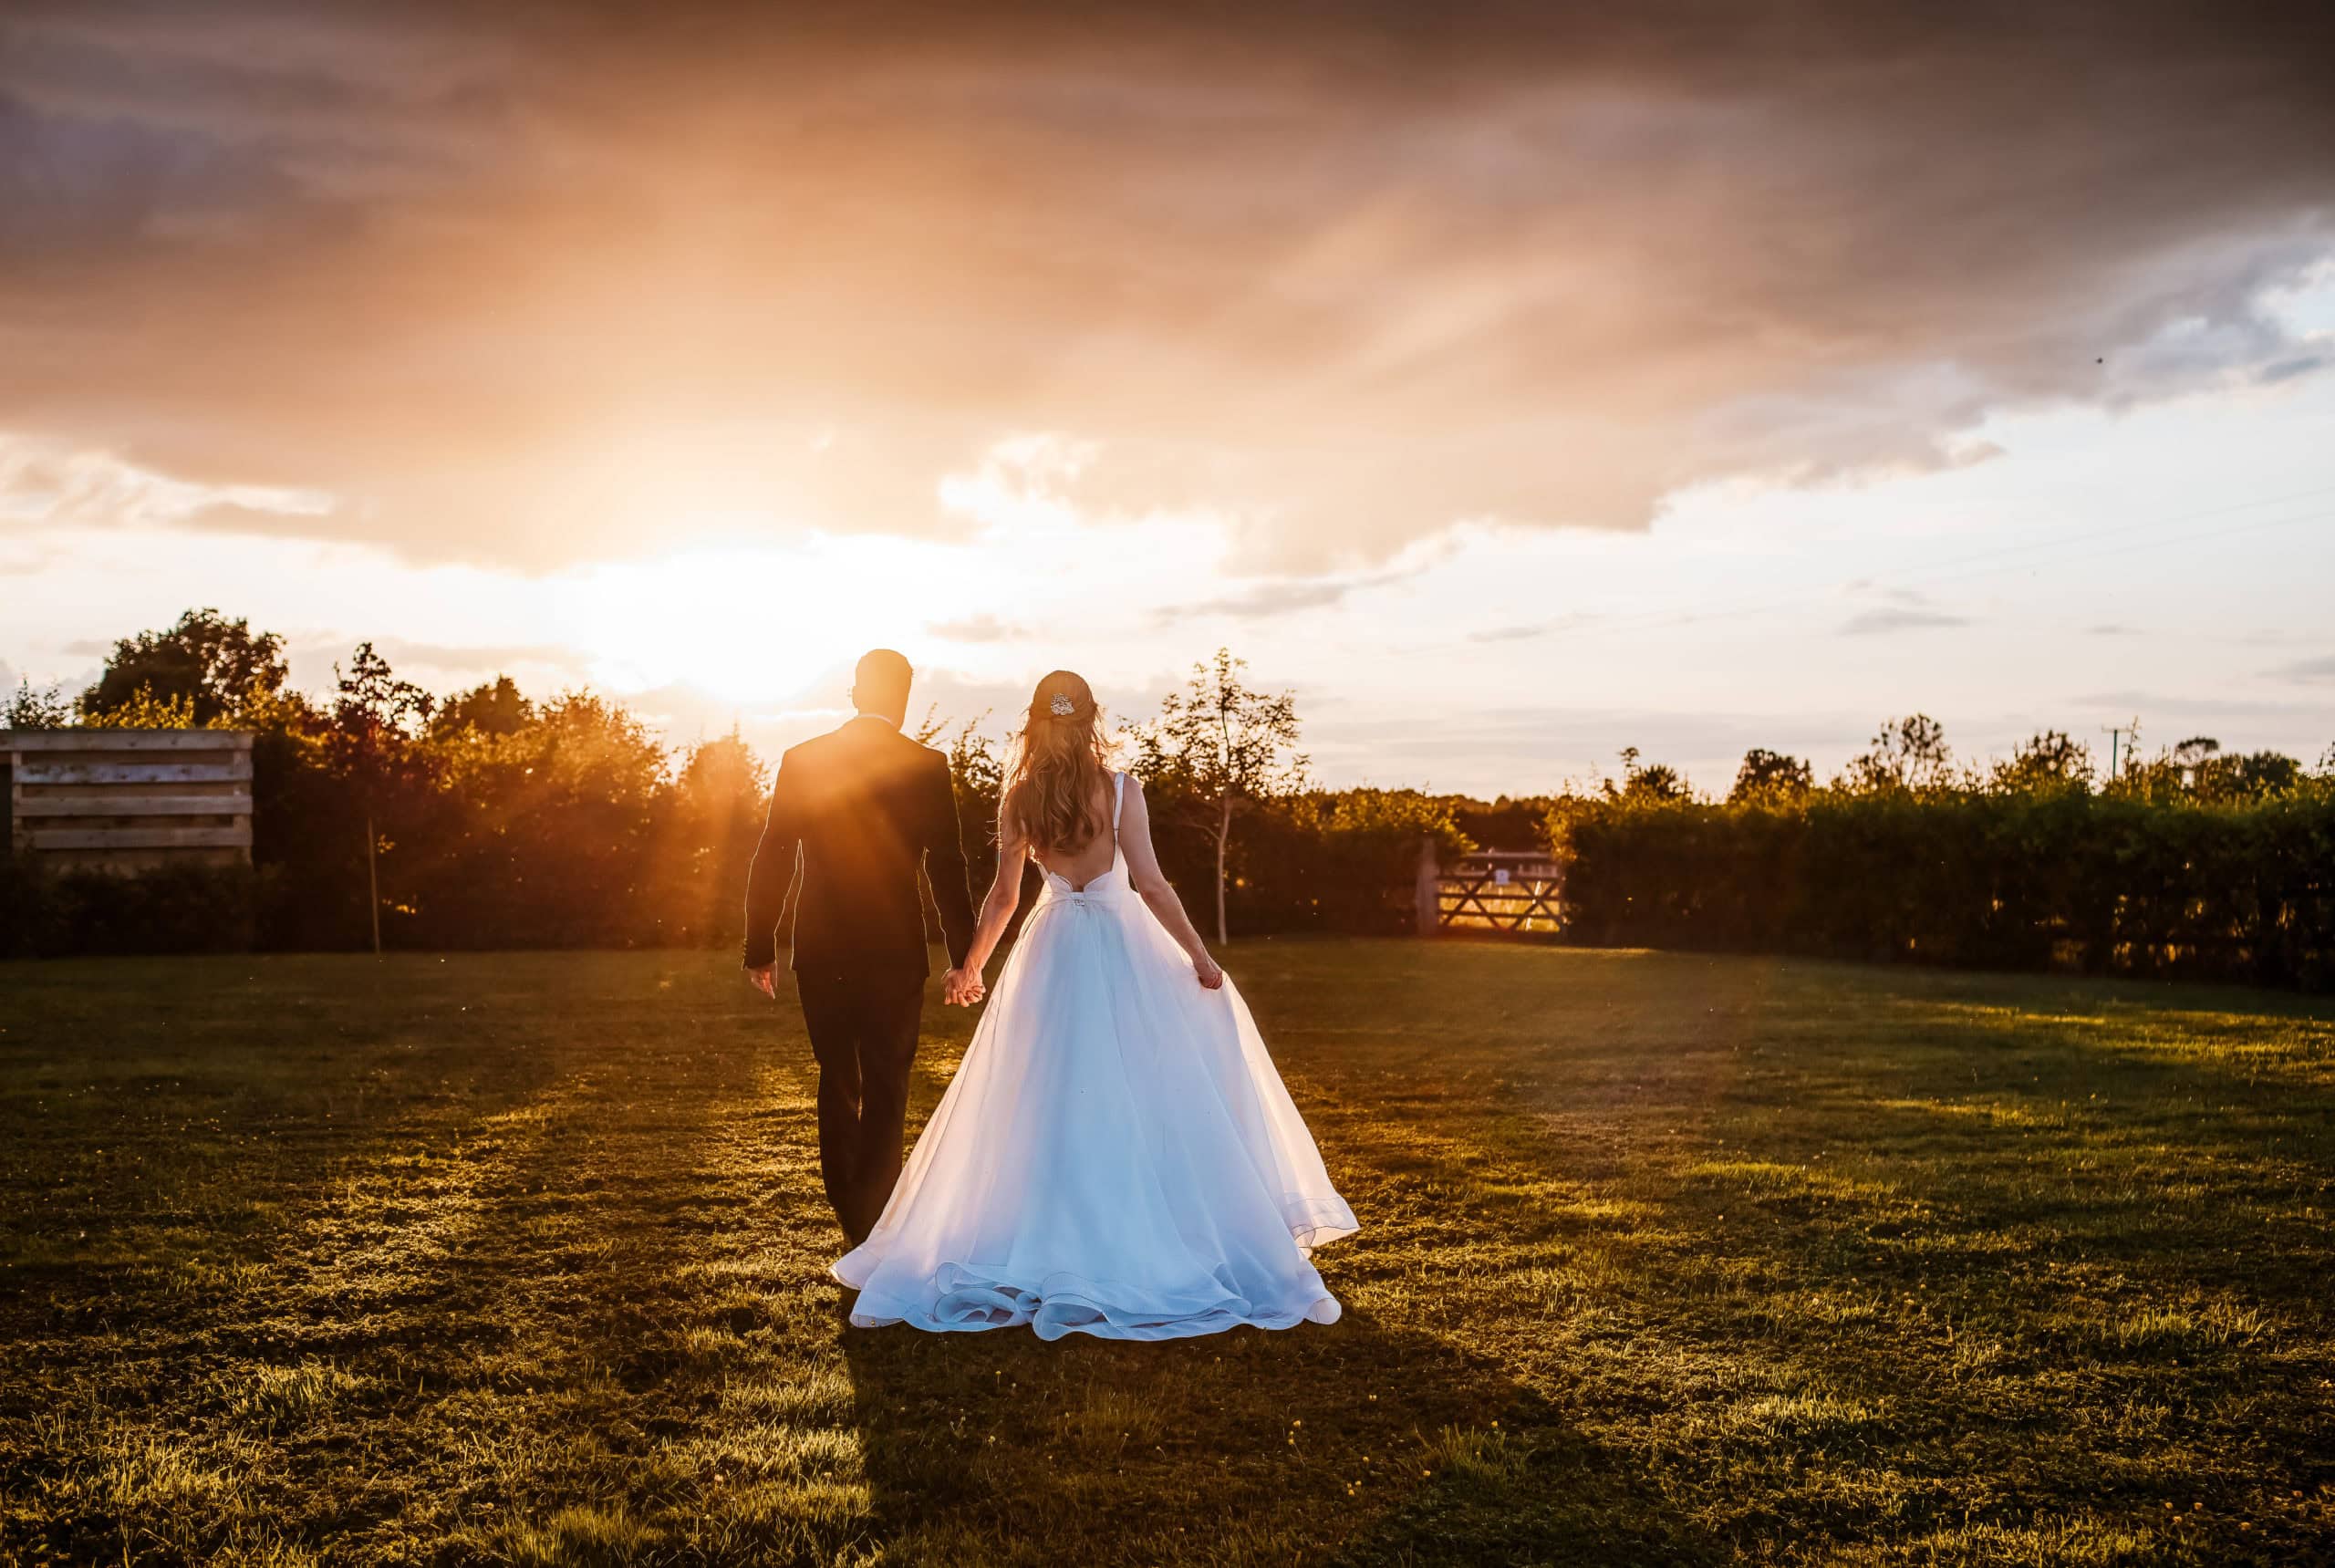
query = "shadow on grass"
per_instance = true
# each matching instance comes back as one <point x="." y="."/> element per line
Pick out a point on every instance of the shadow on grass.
<point x="1358" y="1442"/>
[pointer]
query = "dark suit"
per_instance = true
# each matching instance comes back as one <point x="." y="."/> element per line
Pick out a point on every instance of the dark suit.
<point x="868" y="808"/>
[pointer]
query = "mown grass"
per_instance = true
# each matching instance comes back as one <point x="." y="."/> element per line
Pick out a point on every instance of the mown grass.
<point x="520" y="1259"/>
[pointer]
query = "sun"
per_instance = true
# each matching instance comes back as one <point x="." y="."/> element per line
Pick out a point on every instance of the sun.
<point x="751" y="624"/>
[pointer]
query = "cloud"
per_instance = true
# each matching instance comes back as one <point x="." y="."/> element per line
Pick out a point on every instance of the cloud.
<point x="1275" y="597"/>
<point x="1899" y="617"/>
<point x="2192" y="710"/>
<point x="982" y="628"/>
<point x="2110" y="629"/>
<point x="45" y="485"/>
<point x="504" y="285"/>
<point x="466" y="658"/>
<point x="2311" y="671"/>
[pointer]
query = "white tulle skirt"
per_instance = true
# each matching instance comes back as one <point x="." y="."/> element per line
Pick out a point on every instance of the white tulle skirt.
<point x="1116" y="1157"/>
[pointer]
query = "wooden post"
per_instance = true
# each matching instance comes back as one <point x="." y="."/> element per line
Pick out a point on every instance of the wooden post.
<point x="1428" y="894"/>
<point x="1223" y="832"/>
<point x="373" y="884"/>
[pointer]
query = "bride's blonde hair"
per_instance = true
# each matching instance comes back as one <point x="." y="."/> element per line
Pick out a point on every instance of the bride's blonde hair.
<point x="1062" y="766"/>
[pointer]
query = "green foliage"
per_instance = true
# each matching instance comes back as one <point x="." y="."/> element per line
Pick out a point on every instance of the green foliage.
<point x="1771" y="775"/>
<point x="494" y="708"/>
<point x="2017" y="878"/>
<point x="1647" y="783"/>
<point x="46" y="912"/>
<point x="1218" y="748"/>
<point x="2046" y="761"/>
<point x="219" y="668"/>
<point x="1339" y="861"/>
<point x="36" y="708"/>
<point x="144" y="709"/>
<point x="1909" y="754"/>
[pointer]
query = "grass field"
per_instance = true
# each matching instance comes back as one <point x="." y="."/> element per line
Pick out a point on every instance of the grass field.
<point x="520" y="1259"/>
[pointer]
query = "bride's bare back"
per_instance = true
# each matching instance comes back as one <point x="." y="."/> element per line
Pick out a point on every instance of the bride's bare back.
<point x="1092" y="859"/>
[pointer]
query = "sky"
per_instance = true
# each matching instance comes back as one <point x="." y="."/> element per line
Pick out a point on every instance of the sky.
<point x="1514" y="383"/>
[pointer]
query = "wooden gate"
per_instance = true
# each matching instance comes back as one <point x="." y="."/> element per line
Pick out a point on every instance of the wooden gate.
<point x="123" y="800"/>
<point x="1494" y="890"/>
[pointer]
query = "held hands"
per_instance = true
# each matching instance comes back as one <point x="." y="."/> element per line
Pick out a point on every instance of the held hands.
<point x="1211" y="973"/>
<point x="962" y="987"/>
<point x="758" y="976"/>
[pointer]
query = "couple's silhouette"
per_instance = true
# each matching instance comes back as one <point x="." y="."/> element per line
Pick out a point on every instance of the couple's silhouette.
<point x="1115" y="1155"/>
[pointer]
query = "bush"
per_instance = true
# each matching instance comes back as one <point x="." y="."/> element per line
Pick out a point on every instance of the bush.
<point x="1334" y="862"/>
<point x="46" y="913"/>
<point x="2110" y="884"/>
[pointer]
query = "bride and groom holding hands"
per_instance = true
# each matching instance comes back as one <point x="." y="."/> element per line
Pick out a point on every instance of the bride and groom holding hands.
<point x="1117" y="1155"/>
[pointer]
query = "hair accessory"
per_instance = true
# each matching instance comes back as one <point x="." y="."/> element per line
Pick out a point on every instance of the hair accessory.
<point x="1062" y="706"/>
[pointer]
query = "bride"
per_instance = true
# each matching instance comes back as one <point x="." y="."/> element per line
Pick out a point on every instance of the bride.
<point x="1115" y="1155"/>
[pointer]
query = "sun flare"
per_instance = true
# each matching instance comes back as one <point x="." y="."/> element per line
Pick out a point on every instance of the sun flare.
<point x="747" y="625"/>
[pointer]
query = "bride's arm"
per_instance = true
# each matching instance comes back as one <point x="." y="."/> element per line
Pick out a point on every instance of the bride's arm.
<point x="1004" y="896"/>
<point x="1144" y="875"/>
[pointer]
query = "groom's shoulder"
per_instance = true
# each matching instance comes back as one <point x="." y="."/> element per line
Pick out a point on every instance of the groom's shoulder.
<point x="924" y="756"/>
<point x="806" y="750"/>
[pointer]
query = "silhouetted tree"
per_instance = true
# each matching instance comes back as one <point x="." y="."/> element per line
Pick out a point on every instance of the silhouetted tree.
<point x="1647" y="783"/>
<point x="1909" y="754"/>
<point x="493" y="708"/>
<point x="2244" y="776"/>
<point x="1770" y="775"/>
<point x="1217" y="746"/>
<point x="977" y="777"/>
<point x="36" y="708"/>
<point x="2044" y="760"/>
<point x="703" y="839"/>
<point x="375" y="720"/>
<point x="220" y="667"/>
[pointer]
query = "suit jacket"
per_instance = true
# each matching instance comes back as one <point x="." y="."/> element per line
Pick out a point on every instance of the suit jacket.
<point x="868" y="808"/>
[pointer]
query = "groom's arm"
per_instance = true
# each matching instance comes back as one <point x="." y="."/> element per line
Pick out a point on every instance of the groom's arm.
<point x="773" y="872"/>
<point x="944" y="865"/>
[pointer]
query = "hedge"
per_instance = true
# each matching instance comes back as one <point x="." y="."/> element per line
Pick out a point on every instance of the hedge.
<point x="2104" y="884"/>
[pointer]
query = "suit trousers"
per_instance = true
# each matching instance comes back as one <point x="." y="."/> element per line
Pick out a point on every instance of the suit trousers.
<point x="863" y="1029"/>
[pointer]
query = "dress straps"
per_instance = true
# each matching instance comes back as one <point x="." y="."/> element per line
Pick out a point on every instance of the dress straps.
<point x="1118" y="799"/>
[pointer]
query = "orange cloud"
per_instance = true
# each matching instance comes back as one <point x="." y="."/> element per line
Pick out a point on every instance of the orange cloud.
<point x="540" y="291"/>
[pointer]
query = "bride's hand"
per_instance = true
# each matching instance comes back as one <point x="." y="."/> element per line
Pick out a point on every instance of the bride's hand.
<point x="1211" y="973"/>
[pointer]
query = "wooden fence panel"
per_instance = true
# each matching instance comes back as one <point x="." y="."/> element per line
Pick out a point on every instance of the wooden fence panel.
<point x="129" y="799"/>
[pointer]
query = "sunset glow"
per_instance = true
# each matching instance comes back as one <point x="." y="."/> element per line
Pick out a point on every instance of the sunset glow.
<point x="1515" y="392"/>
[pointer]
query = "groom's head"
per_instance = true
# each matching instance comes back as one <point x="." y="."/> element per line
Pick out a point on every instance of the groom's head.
<point x="880" y="685"/>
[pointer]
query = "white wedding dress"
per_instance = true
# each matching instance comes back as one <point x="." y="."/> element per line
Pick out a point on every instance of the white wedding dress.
<point x="1115" y="1155"/>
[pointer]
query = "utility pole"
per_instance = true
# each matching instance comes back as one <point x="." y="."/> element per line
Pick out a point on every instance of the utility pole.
<point x="2116" y="734"/>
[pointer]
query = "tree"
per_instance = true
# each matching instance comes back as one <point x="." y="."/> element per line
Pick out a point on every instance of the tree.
<point x="1909" y="754"/>
<point x="218" y="666"/>
<point x="1647" y="785"/>
<point x="36" y="708"/>
<point x="1770" y="775"/>
<point x="976" y="777"/>
<point x="2045" y="760"/>
<point x="2246" y="776"/>
<point x="2193" y="752"/>
<point x="703" y="839"/>
<point x="375" y="720"/>
<point x="1218" y="747"/>
<point x="493" y="708"/>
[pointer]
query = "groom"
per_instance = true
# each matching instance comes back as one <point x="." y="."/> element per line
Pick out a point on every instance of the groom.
<point x="868" y="808"/>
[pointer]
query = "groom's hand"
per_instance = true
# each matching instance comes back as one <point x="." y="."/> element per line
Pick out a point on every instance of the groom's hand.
<point x="962" y="988"/>
<point x="758" y="976"/>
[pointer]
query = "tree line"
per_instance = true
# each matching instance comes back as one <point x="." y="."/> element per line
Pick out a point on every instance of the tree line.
<point x="2189" y="862"/>
<point x="385" y="816"/>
